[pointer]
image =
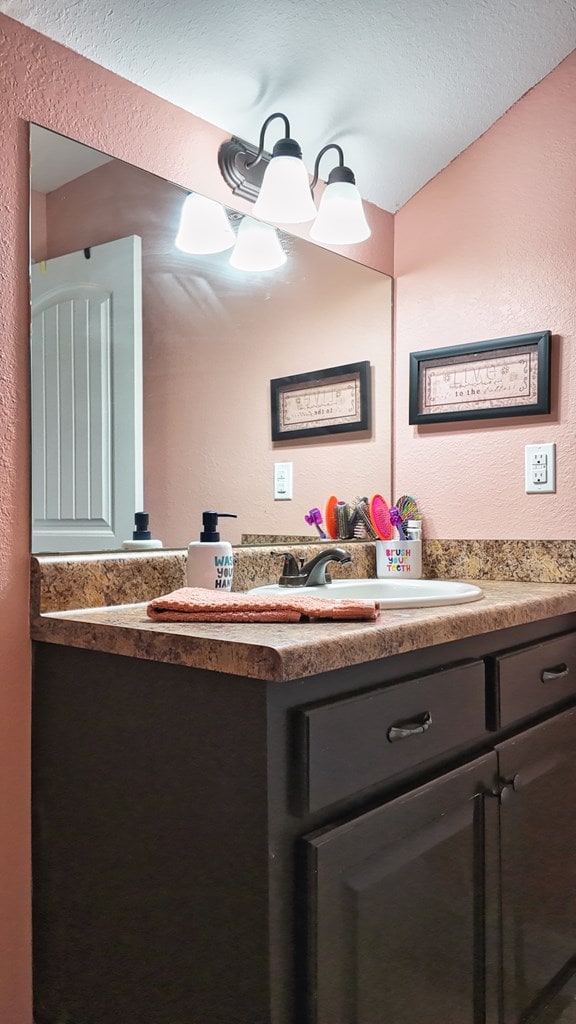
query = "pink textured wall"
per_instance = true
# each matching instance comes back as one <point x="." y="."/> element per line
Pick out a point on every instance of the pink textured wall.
<point x="485" y="250"/>
<point x="213" y="339"/>
<point x="43" y="82"/>
<point x="488" y="250"/>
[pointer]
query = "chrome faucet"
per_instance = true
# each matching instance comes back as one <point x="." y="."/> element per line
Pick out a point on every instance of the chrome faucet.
<point x="312" y="573"/>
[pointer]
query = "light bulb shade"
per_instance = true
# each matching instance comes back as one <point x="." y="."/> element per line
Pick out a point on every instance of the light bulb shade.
<point x="341" y="219"/>
<point x="204" y="227"/>
<point x="285" y="195"/>
<point x="257" y="247"/>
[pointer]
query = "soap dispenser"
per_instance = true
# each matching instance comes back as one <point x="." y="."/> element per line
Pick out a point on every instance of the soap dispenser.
<point x="142" y="539"/>
<point x="210" y="560"/>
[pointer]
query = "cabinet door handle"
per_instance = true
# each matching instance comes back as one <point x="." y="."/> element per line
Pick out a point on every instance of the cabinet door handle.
<point x="505" y="787"/>
<point x="410" y="727"/>
<point x="509" y="786"/>
<point x="558" y="672"/>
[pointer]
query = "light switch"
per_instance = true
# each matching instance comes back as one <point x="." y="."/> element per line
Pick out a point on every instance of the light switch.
<point x="283" y="481"/>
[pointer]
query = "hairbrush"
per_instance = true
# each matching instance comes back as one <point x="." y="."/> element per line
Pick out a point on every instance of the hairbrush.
<point x="407" y="507"/>
<point x="380" y="518"/>
<point x="330" y="518"/>
<point x="362" y="522"/>
<point x="345" y="516"/>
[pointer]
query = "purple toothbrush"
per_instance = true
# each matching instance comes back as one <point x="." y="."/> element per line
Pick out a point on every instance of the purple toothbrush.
<point x="314" y="518"/>
<point x="396" y="520"/>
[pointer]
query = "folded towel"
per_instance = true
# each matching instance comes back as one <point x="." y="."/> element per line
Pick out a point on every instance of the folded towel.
<point x="194" y="604"/>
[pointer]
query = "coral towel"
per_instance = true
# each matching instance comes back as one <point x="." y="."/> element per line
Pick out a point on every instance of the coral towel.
<point x="194" y="604"/>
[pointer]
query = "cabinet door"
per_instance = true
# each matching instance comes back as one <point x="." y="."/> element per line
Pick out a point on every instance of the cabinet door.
<point x="538" y="834"/>
<point x="399" y="922"/>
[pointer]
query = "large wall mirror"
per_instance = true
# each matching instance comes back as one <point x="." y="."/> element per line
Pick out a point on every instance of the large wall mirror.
<point x="128" y="330"/>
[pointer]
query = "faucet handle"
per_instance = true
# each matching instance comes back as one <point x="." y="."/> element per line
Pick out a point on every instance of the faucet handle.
<point x="291" y="565"/>
<point x="297" y="573"/>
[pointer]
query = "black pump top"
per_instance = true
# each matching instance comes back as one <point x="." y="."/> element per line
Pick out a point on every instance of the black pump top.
<point x="141" y="523"/>
<point x="210" y="521"/>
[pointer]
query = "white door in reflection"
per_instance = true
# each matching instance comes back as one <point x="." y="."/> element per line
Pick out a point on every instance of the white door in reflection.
<point x="86" y="384"/>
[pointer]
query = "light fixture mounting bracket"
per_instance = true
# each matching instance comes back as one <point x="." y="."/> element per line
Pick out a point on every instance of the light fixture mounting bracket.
<point x="233" y="157"/>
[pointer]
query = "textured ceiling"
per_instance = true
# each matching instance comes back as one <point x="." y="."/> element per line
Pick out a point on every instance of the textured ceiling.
<point x="402" y="85"/>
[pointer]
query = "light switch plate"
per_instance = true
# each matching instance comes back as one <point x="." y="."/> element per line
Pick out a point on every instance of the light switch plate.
<point x="282" y="481"/>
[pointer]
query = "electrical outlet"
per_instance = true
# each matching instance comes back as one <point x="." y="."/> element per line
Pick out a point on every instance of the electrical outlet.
<point x="282" y="481"/>
<point x="540" y="468"/>
<point x="539" y="473"/>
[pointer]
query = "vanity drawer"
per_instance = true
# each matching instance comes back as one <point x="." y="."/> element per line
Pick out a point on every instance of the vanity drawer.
<point x="355" y="743"/>
<point x="532" y="678"/>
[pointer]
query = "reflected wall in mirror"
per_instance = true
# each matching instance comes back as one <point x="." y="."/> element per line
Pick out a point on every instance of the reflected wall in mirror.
<point x="212" y="339"/>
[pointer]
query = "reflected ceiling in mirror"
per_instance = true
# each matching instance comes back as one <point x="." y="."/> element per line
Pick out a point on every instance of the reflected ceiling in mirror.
<point x="212" y="339"/>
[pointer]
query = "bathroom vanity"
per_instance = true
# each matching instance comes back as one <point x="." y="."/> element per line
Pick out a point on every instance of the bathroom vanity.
<point x="363" y="824"/>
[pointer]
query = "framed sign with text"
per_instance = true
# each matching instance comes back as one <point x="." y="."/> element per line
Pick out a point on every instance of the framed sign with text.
<point x="504" y="377"/>
<point x="332" y="401"/>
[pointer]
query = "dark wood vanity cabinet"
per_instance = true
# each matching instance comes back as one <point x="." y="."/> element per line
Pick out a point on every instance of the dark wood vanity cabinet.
<point x="538" y="883"/>
<point x="455" y="902"/>
<point x="385" y="844"/>
<point x="398" y="921"/>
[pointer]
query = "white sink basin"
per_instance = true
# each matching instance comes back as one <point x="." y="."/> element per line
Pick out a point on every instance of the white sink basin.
<point x="390" y="593"/>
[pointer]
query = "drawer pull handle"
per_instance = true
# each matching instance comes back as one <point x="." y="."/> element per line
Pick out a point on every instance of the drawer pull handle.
<point x="410" y="727"/>
<point x="558" y="672"/>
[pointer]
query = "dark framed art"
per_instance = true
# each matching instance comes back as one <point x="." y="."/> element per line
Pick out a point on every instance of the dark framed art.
<point x="323" y="402"/>
<point x="503" y="377"/>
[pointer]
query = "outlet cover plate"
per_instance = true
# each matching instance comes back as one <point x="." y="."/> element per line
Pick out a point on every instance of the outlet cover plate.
<point x="540" y="468"/>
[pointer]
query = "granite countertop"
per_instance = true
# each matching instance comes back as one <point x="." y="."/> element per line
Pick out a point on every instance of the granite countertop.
<point x="296" y="650"/>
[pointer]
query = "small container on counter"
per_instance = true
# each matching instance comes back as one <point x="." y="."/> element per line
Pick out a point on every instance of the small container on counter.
<point x="413" y="529"/>
<point x="398" y="559"/>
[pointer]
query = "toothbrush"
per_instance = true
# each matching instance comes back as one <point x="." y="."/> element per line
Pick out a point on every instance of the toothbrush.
<point x="314" y="518"/>
<point x="396" y="520"/>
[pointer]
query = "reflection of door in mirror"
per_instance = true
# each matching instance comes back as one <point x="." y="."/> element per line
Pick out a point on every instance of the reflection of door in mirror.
<point x="86" y="397"/>
<point x="213" y="339"/>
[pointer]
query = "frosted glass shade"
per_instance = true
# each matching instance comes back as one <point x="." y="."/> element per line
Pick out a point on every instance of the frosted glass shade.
<point x="285" y="195"/>
<point x="257" y="247"/>
<point x="204" y="227"/>
<point x="341" y="219"/>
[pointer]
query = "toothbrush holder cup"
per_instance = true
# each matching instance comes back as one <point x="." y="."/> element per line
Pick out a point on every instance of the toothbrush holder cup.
<point x="398" y="559"/>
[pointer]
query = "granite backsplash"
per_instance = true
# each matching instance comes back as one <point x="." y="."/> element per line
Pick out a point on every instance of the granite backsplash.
<point x="64" y="582"/>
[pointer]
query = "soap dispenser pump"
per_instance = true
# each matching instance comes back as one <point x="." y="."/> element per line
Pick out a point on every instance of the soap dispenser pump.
<point x="210" y="560"/>
<point x="142" y="539"/>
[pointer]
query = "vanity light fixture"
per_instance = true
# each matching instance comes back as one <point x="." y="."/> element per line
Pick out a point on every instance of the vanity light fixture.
<point x="278" y="184"/>
<point x="341" y="219"/>
<point x="257" y="247"/>
<point x="204" y="227"/>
